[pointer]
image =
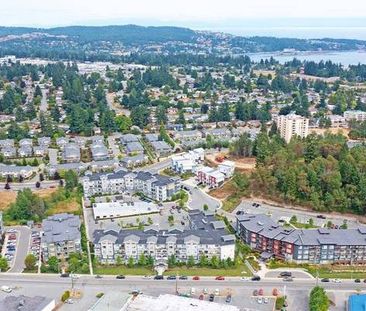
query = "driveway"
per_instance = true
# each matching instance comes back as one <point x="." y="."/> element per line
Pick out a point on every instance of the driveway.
<point x="22" y="248"/>
<point x="198" y="198"/>
<point x="52" y="154"/>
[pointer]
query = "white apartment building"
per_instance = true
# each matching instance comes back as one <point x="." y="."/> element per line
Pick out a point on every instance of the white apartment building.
<point x="154" y="186"/>
<point x="205" y="237"/>
<point x="188" y="161"/>
<point x="292" y="125"/>
<point x="356" y="115"/>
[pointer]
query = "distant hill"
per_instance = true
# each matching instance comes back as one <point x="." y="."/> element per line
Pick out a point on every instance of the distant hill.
<point x="75" y="42"/>
<point x="129" y="34"/>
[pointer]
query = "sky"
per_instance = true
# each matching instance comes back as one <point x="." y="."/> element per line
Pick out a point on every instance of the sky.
<point x="235" y="16"/>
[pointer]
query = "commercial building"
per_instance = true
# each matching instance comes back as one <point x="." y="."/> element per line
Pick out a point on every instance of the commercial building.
<point x="173" y="302"/>
<point x="154" y="186"/>
<point x="61" y="236"/>
<point x="314" y="246"/>
<point x="292" y="125"/>
<point x="123" y="209"/>
<point x="205" y="236"/>
<point x="25" y="303"/>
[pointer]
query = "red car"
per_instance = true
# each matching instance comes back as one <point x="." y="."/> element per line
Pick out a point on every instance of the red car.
<point x="219" y="278"/>
<point x="260" y="292"/>
<point x="201" y="297"/>
<point x="195" y="278"/>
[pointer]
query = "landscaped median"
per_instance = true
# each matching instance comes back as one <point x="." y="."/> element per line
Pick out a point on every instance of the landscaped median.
<point x="323" y="271"/>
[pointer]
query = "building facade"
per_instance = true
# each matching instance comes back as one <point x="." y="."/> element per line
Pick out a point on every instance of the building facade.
<point x="292" y="125"/>
<point x="204" y="237"/>
<point x="313" y="246"/>
<point x="154" y="186"/>
<point x="61" y="236"/>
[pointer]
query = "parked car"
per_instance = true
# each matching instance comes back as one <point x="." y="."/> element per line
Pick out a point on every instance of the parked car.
<point x="201" y="297"/>
<point x="147" y="277"/>
<point x="98" y="276"/>
<point x="211" y="297"/>
<point x="256" y="278"/>
<point x="357" y="281"/>
<point x="65" y="275"/>
<point x="183" y="277"/>
<point x="255" y="292"/>
<point x="288" y="279"/>
<point x="260" y="292"/>
<point x="265" y="300"/>
<point x="158" y="277"/>
<point x="325" y="280"/>
<point x="228" y="298"/>
<point x="171" y="277"/>
<point x="6" y="289"/>
<point x="219" y="278"/>
<point x="321" y="217"/>
<point x="196" y="278"/>
<point x="275" y="292"/>
<point x="285" y="273"/>
<point x="120" y="277"/>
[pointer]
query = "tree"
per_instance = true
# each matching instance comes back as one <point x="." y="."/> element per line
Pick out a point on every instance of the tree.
<point x="130" y="262"/>
<point x="181" y="119"/>
<point x="161" y="115"/>
<point x="172" y="261"/>
<point x="139" y="116"/>
<point x="205" y="207"/>
<point x="71" y="180"/>
<point x="142" y="260"/>
<point x="123" y="123"/>
<point x="30" y="262"/>
<point x="53" y="264"/>
<point x="215" y="262"/>
<point x="241" y="182"/>
<point x="190" y="261"/>
<point x="3" y="264"/>
<point x="318" y="299"/>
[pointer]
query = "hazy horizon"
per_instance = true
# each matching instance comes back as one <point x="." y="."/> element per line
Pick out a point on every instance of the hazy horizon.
<point x="281" y="18"/>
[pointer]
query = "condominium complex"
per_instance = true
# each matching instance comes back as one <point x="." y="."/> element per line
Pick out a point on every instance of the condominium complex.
<point x="314" y="246"/>
<point x="356" y="115"/>
<point x="154" y="186"/>
<point x="61" y="236"/>
<point x="292" y="125"/>
<point x="215" y="177"/>
<point x="205" y="236"/>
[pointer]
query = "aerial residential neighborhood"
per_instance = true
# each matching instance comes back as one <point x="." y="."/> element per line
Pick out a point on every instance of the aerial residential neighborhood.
<point x="211" y="165"/>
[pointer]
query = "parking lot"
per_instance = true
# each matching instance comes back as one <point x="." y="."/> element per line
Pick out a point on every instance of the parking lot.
<point x="283" y="214"/>
<point x="10" y="246"/>
<point x="20" y="247"/>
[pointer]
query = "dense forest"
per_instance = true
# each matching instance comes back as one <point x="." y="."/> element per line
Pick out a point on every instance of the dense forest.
<point x="320" y="172"/>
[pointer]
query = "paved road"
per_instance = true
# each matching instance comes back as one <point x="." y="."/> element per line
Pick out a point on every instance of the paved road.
<point x="53" y="286"/>
<point x="31" y="185"/>
<point x="198" y="198"/>
<point x="23" y="239"/>
<point x="113" y="145"/>
<point x="52" y="154"/>
<point x="44" y="105"/>
<point x="156" y="167"/>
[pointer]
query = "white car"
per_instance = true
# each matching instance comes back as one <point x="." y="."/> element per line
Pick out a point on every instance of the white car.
<point x="6" y="289"/>
<point x="265" y="300"/>
<point x="217" y="292"/>
<point x="147" y="277"/>
<point x="337" y="281"/>
<point x="260" y="300"/>
<point x="74" y="276"/>
<point x="245" y="278"/>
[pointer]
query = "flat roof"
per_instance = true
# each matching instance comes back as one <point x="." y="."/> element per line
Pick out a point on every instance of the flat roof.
<point x="111" y="301"/>
<point x="168" y="302"/>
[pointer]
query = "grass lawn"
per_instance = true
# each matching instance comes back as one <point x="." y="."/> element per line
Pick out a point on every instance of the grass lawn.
<point x="231" y="203"/>
<point x="300" y="225"/>
<point x="114" y="270"/>
<point x="234" y="271"/>
<point x="68" y="206"/>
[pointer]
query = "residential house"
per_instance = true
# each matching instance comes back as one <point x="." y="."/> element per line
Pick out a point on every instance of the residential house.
<point x="25" y="150"/>
<point x="71" y="153"/>
<point x="99" y="151"/>
<point x="161" y="148"/>
<point x="134" y="147"/>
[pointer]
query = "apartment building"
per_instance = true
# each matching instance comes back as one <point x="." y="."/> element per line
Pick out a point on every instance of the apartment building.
<point x="313" y="246"/>
<point x="61" y="236"/>
<point x="188" y="161"/>
<point x="356" y="115"/>
<point x="154" y="186"/>
<point x="215" y="177"/>
<point x="205" y="237"/>
<point x="292" y="125"/>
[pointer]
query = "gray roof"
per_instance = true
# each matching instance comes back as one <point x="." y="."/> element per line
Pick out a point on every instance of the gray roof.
<point x="161" y="146"/>
<point x="134" y="147"/>
<point x="129" y="138"/>
<point x="198" y="230"/>
<point x="99" y="150"/>
<point x="266" y="227"/>
<point x="71" y="151"/>
<point x="152" y="137"/>
<point x="60" y="228"/>
<point x="24" y="303"/>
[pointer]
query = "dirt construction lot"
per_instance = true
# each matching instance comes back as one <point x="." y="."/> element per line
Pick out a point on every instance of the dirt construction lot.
<point x="241" y="164"/>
